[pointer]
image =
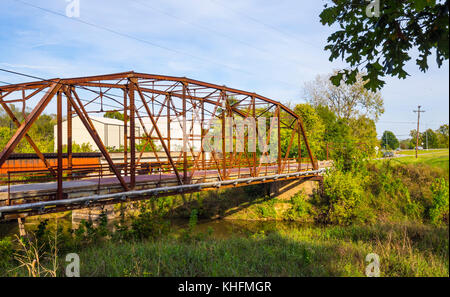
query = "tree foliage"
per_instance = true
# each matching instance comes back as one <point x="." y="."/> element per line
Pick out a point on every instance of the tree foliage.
<point x="346" y="101"/>
<point x="382" y="45"/>
<point x="114" y="115"/>
<point x="313" y="125"/>
<point x="442" y="135"/>
<point x="41" y="132"/>
<point x="438" y="138"/>
<point x="389" y="140"/>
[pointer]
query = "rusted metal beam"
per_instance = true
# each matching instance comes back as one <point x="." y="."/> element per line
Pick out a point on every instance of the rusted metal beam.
<point x="185" y="89"/>
<point x="125" y="131"/>
<point x="91" y="129"/>
<point x="279" y="139"/>
<point x="291" y="140"/>
<point x="26" y="125"/>
<point x="159" y="134"/>
<point x="69" y="136"/>
<point x="131" y="88"/>
<point x="28" y="138"/>
<point x="59" y="136"/>
<point x="184" y="135"/>
<point x="308" y="148"/>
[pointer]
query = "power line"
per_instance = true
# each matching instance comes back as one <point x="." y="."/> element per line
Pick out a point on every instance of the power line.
<point x="210" y="30"/>
<point x="84" y="100"/>
<point x="79" y="20"/>
<point x="273" y="28"/>
<point x="52" y="81"/>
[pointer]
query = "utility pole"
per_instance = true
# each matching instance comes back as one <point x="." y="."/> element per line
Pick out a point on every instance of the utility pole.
<point x="417" y="132"/>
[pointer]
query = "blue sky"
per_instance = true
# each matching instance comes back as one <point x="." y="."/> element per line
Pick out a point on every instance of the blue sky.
<point x="268" y="47"/>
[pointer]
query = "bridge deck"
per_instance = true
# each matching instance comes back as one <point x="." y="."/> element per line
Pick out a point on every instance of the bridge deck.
<point x="23" y="194"/>
<point x="48" y="188"/>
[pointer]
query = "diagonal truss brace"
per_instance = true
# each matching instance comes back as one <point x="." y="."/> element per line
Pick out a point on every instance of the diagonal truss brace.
<point x="81" y="113"/>
<point x="28" y="122"/>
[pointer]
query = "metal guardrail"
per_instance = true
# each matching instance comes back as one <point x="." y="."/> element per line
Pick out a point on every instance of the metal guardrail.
<point x="122" y="196"/>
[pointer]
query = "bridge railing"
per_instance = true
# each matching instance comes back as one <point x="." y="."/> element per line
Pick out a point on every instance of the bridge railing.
<point x="155" y="172"/>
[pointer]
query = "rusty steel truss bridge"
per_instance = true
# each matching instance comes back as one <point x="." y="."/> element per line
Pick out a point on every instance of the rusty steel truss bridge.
<point x="147" y="165"/>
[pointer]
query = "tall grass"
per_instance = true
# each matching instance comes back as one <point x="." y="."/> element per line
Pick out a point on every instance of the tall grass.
<point x="404" y="250"/>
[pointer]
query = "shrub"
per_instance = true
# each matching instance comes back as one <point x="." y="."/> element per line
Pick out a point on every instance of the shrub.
<point x="301" y="209"/>
<point x="148" y="224"/>
<point x="440" y="206"/>
<point x="6" y="250"/>
<point x="344" y="199"/>
<point x="267" y="209"/>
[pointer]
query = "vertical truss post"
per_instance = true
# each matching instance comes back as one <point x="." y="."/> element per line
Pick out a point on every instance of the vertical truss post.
<point x="168" y="99"/>
<point x="131" y="87"/>
<point x="69" y="136"/>
<point x="185" y="176"/>
<point x="224" y="154"/>
<point x="125" y="131"/>
<point x="202" y="134"/>
<point x="59" y="144"/>
<point x="299" y="143"/>
<point x="279" y="139"/>
<point x="256" y="128"/>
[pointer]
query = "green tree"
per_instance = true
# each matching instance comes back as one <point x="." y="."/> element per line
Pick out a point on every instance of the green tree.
<point x="443" y="136"/>
<point x="337" y="131"/>
<point x="364" y="132"/>
<point x="5" y="135"/>
<point x="431" y="139"/>
<point x="383" y="44"/>
<point x="114" y="115"/>
<point x="314" y="130"/>
<point x="413" y="134"/>
<point x="389" y="140"/>
<point x="405" y="144"/>
<point x="41" y="131"/>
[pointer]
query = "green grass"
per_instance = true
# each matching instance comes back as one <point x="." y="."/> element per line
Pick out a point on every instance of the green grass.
<point x="436" y="159"/>
<point x="398" y="194"/>
<point x="422" y="152"/>
<point x="404" y="250"/>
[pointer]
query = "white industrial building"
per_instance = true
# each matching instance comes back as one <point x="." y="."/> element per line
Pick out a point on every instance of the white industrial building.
<point x="111" y="132"/>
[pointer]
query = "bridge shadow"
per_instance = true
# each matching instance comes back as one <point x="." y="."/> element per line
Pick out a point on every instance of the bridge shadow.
<point x="222" y="203"/>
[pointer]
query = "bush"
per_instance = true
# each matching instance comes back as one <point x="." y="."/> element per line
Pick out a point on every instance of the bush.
<point x="267" y="210"/>
<point x="440" y="206"/>
<point x="344" y="199"/>
<point x="301" y="209"/>
<point x="148" y="224"/>
<point x="6" y="250"/>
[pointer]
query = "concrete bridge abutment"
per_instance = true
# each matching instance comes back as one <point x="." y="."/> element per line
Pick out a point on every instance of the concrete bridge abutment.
<point x="284" y="190"/>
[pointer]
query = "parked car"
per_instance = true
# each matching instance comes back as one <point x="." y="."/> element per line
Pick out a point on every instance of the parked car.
<point x="388" y="154"/>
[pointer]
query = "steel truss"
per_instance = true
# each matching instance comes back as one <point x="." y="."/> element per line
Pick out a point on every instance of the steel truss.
<point x="141" y="97"/>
